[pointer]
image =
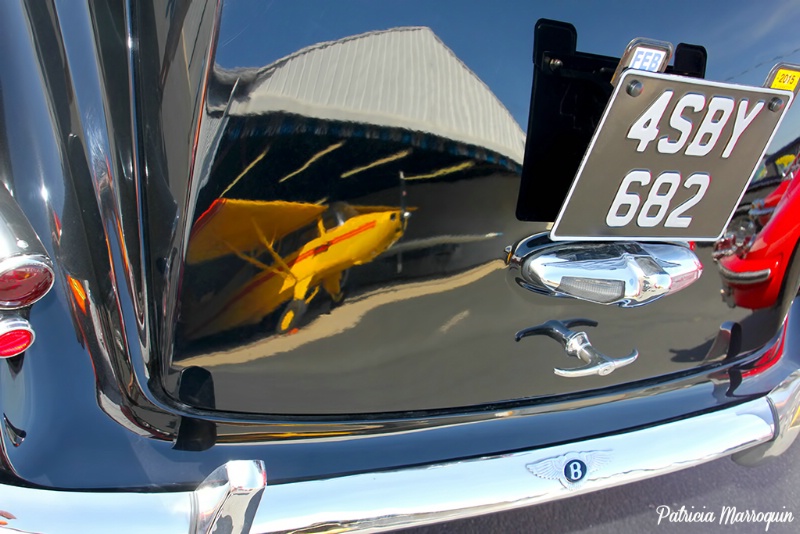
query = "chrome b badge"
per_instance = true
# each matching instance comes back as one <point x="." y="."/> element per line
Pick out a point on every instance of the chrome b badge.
<point x="570" y="469"/>
<point x="575" y="471"/>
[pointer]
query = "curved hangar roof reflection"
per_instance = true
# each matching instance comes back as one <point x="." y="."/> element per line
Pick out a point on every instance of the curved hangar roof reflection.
<point x="403" y="79"/>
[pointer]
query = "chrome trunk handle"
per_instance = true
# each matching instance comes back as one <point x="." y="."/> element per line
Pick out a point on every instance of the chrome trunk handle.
<point x="577" y="345"/>
<point x="627" y="274"/>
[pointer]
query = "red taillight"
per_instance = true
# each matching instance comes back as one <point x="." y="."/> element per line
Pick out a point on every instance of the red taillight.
<point x="770" y="357"/>
<point x="16" y="336"/>
<point x="23" y="281"/>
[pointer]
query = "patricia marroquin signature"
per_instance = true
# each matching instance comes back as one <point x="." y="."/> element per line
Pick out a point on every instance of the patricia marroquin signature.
<point x="727" y="515"/>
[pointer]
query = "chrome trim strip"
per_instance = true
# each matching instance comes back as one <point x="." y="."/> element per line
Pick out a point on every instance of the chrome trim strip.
<point x="748" y="277"/>
<point x="419" y="495"/>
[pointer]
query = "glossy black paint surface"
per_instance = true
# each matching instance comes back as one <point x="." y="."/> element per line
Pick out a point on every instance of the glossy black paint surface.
<point x="428" y="323"/>
<point x="110" y="184"/>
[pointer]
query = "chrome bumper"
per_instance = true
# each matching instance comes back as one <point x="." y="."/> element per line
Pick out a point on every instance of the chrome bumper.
<point x="418" y="495"/>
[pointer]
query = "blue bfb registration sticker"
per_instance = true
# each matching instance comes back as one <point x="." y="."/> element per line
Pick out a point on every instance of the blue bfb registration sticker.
<point x="671" y="157"/>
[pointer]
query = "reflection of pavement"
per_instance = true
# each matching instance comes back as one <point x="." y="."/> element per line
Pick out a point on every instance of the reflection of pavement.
<point x="345" y="318"/>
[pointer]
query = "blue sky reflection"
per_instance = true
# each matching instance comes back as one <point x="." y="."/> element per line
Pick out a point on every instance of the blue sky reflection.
<point x="744" y="39"/>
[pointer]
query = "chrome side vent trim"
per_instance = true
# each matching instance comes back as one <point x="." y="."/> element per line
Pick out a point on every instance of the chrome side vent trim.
<point x="627" y="274"/>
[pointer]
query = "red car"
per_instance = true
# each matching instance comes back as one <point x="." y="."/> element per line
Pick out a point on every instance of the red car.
<point x="754" y="275"/>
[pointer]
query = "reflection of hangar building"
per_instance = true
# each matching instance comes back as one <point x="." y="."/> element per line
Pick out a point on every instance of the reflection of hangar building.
<point x="341" y="119"/>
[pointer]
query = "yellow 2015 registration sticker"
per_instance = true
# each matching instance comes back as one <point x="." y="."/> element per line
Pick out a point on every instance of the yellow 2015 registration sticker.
<point x="786" y="79"/>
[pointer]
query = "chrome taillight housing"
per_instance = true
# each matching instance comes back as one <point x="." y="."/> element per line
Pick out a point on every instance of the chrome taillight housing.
<point x="24" y="280"/>
<point x="26" y="275"/>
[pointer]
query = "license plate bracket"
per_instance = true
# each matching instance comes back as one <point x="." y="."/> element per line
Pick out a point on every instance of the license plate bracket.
<point x="570" y="90"/>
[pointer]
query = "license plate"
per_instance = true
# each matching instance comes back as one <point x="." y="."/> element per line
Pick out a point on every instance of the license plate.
<point x="670" y="160"/>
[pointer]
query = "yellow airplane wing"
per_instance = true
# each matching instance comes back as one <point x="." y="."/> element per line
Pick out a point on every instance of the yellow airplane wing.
<point x="234" y="224"/>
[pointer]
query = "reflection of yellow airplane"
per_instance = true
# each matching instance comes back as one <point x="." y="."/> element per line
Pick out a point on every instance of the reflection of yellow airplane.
<point x="319" y="243"/>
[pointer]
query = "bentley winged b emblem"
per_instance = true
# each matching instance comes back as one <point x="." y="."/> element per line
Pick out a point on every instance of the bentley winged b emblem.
<point x="570" y="469"/>
<point x="577" y="344"/>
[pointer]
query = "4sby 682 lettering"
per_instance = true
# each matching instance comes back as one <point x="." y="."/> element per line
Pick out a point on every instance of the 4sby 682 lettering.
<point x="646" y="129"/>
